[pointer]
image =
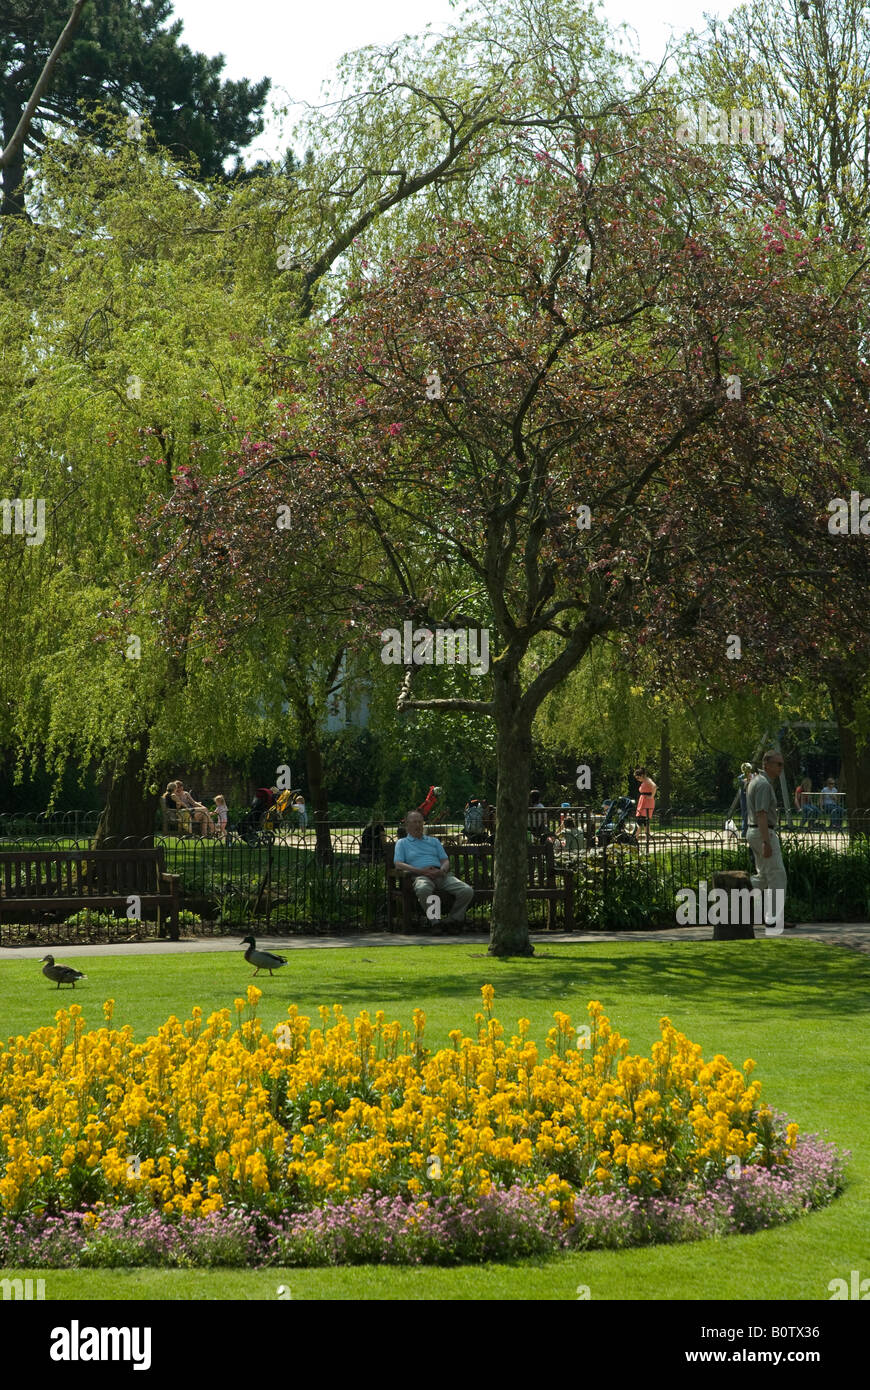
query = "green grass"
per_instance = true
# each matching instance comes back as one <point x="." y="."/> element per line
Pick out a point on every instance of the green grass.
<point x="797" y="1007"/>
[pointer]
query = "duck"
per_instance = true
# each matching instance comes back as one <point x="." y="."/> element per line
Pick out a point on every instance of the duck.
<point x="63" y="974"/>
<point x="263" y="960"/>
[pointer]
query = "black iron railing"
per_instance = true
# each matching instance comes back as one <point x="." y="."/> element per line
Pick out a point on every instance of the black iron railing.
<point x="282" y="884"/>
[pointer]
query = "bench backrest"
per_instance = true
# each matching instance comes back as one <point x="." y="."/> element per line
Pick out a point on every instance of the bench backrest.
<point x="80" y="873"/>
<point x="475" y="864"/>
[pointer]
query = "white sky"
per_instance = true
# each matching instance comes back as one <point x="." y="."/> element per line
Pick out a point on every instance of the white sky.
<point x="298" y="45"/>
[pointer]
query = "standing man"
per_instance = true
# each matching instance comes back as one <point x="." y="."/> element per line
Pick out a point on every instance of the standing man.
<point x="424" y="857"/>
<point x="762" y="837"/>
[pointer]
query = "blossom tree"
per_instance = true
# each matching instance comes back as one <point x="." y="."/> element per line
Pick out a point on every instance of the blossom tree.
<point x="565" y="424"/>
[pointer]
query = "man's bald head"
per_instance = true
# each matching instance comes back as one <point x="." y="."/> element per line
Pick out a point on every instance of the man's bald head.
<point x="414" y="823"/>
<point x="772" y="761"/>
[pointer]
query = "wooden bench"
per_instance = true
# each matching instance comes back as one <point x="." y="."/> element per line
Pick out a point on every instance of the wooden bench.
<point x="474" y="864"/>
<point x="51" y="880"/>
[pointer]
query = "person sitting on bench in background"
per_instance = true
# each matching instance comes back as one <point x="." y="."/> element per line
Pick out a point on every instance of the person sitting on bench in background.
<point x="424" y="857"/>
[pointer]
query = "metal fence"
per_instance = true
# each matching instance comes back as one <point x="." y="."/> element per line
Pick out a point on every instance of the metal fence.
<point x="50" y="825"/>
<point x="284" y="887"/>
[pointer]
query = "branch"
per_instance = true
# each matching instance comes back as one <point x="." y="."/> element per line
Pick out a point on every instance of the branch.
<point x="466" y="706"/>
<point x="13" y="148"/>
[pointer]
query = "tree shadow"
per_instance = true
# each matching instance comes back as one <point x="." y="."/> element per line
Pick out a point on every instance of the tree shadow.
<point x="802" y="979"/>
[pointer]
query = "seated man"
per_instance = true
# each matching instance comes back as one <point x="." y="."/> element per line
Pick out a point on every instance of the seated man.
<point x="832" y="803"/>
<point x="424" y="857"/>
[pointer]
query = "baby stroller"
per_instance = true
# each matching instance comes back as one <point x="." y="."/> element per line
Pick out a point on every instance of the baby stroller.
<point x="424" y="808"/>
<point x="477" y="822"/>
<point x="618" y="827"/>
<point x="263" y="817"/>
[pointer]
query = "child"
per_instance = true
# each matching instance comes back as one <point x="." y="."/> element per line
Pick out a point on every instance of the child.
<point x="299" y="808"/>
<point x="220" y="816"/>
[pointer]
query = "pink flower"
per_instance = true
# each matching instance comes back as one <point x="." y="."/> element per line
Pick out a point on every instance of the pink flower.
<point x="394" y="429"/>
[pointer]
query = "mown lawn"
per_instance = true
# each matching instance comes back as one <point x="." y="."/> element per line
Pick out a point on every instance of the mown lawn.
<point x="798" y="1007"/>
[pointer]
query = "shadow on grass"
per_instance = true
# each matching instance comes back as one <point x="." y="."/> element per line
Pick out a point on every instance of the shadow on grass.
<point x="799" y="978"/>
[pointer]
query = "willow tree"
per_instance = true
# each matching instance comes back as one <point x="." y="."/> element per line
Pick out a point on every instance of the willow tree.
<point x="136" y="317"/>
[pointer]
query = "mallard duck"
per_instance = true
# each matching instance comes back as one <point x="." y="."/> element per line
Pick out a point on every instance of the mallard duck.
<point x="263" y="960"/>
<point x="63" y="974"/>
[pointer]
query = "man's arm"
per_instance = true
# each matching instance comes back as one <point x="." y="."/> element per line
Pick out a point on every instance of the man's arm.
<point x="764" y="827"/>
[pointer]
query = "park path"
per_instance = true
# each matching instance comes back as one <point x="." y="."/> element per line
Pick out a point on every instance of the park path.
<point x="855" y="935"/>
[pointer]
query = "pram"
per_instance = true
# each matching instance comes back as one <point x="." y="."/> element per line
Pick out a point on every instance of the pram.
<point x="618" y="827"/>
<point x="424" y="808"/>
<point x="264" y="816"/>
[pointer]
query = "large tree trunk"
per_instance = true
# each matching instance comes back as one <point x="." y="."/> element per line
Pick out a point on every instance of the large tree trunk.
<point x="317" y="798"/>
<point x="509" y="934"/>
<point x="129" y="808"/>
<point x="854" y="751"/>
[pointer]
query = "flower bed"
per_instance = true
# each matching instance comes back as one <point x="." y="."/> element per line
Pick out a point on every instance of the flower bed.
<point x="219" y="1143"/>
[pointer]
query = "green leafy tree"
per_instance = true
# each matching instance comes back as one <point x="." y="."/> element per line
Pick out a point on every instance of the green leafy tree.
<point x="808" y="61"/>
<point x="137" y="316"/>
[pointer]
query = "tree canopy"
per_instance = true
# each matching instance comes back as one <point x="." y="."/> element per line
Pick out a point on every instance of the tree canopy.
<point x="125" y="55"/>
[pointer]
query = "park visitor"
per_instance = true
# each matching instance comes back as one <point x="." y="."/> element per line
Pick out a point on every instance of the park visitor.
<point x="220" y="815"/>
<point x="763" y="839"/>
<point x="537" y="815"/>
<point x="646" y="797"/>
<point x="746" y="775"/>
<point x="424" y="857"/>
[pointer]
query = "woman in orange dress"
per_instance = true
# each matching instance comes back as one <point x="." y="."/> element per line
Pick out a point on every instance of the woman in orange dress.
<point x="646" y="797"/>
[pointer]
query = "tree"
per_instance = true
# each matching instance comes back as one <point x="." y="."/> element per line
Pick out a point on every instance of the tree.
<point x="118" y="54"/>
<point x="810" y="62"/>
<point x="582" y="390"/>
<point x="136" y="313"/>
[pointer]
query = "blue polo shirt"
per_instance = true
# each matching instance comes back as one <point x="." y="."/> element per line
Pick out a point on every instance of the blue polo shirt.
<point x="424" y="853"/>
